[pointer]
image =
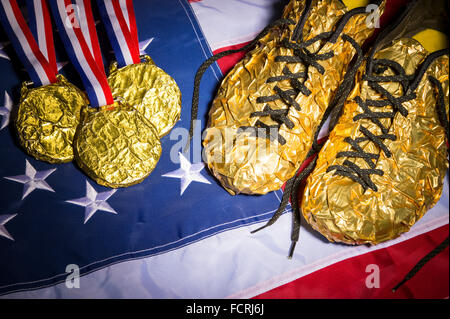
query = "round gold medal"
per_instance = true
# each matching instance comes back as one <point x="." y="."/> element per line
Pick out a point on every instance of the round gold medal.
<point x="150" y="90"/>
<point x="116" y="146"/>
<point x="47" y="119"/>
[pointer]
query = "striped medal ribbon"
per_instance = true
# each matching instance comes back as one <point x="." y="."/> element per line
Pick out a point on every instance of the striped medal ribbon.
<point x="134" y="78"/>
<point x="76" y="26"/>
<point x="34" y="46"/>
<point x="114" y="145"/>
<point x="120" y="22"/>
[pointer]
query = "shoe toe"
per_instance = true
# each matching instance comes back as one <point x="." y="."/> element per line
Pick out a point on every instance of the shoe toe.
<point x="244" y="163"/>
<point x="343" y="211"/>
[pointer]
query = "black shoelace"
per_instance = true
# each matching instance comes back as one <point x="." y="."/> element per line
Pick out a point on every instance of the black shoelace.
<point x="409" y="85"/>
<point x="300" y="55"/>
<point x="280" y="116"/>
<point x="442" y="115"/>
<point x="205" y="65"/>
<point x="436" y="251"/>
<point x="293" y="185"/>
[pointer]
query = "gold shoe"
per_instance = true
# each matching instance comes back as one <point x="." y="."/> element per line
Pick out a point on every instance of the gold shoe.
<point x="384" y="163"/>
<point x="267" y="111"/>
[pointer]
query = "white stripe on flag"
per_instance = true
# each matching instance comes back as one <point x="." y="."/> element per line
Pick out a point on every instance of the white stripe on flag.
<point x="118" y="32"/>
<point x="25" y="45"/>
<point x="231" y="22"/>
<point x="80" y="56"/>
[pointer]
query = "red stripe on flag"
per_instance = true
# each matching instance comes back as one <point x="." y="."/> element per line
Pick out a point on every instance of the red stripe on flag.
<point x="347" y="279"/>
<point x="227" y="63"/>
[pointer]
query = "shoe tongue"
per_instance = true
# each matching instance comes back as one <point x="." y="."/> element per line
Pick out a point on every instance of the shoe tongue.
<point x="417" y="16"/>
<point x="432" y="40"/>
<point x="405" y="51"/>
<point x="323" y="16"/>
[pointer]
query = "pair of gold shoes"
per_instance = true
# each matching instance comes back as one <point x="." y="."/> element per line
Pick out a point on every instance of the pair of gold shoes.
<point x="117" y="145"/>
<point x="383" y="164"/>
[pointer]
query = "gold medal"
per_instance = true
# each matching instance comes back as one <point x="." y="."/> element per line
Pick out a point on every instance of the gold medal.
<point x="150" y="90"/>
<point x="47" y="119"/>
<point x="116" y="146"/>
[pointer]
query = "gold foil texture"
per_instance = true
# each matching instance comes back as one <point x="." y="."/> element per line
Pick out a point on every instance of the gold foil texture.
<point x="47" y="119"/>
<point x="413" y="177"/>
<point x="237" y="163"/>
<point x="116" y="146"/>
<point x="150" y="90"/>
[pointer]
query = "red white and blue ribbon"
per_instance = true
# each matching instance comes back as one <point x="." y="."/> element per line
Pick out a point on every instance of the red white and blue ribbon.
<point x="38" y="56"/>
<point x="87" y="25"/>
<point x="120" y="21"/>
<point x="76" y="27"/>
<point x="40" y="24"/>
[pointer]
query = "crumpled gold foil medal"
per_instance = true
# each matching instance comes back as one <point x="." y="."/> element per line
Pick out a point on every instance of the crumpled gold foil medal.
<point x="116" y="146"/>
<point x="47" y="119"/>
<point x="150" y="90"/>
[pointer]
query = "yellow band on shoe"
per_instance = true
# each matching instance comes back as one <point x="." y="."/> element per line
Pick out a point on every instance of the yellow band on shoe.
<point x="351" y="4"/>
<point x="432" y="40"/>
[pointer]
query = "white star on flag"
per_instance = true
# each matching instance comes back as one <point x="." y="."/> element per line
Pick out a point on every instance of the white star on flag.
<point x="60" y="65"/>
<point x="3" y="220"/>
<point x="94" y="201"/>
<point x="5" y="111"/>
<point x="33" y="179"/>
<point x="2" y="53"/>
<point x="188" y="173"/>
<point x="144" y="44"/>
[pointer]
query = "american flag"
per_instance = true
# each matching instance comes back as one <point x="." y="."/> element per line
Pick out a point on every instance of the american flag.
<point x="179" y="234"/>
